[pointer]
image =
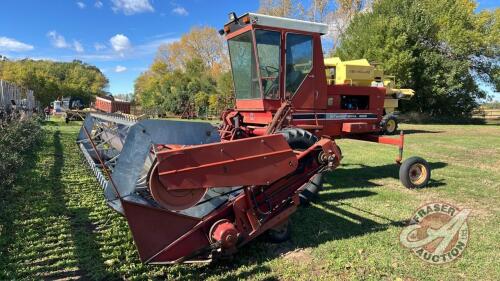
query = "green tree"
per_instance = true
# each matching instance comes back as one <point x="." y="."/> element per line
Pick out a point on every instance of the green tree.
<point x="175" y="90"/>
<point x="50" y="80"/>
<point x="440" y="48"/>
<point x="201" y="102"/>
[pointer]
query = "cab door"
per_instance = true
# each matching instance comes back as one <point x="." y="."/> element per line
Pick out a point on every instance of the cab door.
<point x="305" y="83"/>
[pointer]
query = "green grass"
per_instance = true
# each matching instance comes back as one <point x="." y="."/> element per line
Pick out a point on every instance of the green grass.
<point x="55" y="223"/>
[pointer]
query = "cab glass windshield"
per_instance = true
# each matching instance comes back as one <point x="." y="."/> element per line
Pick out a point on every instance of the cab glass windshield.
<point x="268" y="49"/>
<point x="243" y="64"/>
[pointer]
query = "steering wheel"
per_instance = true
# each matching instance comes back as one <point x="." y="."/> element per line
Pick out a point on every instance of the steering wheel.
<point x="269" y="71"/>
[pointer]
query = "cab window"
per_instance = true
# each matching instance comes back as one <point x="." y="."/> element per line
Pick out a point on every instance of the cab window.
<point x="268" y="49"/>
<point x="243" y="64"/>
<point x="299" y="60"/>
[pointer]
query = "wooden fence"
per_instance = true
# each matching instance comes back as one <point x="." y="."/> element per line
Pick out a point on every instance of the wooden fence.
<point x="487" y="114"/>
<point x="15" y="100"/>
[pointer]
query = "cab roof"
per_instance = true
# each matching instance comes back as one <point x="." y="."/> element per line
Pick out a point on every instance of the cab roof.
<point x="285" y="23"/>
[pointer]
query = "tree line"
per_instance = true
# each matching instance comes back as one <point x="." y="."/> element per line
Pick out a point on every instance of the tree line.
<point x="50" y="80"/>
<point x="191" y="74"/>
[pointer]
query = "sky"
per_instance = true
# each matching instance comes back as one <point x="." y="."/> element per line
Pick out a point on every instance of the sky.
<point x="118" y="36"/>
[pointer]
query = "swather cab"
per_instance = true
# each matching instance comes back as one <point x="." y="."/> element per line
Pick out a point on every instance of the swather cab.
<point x="276" y="61"/>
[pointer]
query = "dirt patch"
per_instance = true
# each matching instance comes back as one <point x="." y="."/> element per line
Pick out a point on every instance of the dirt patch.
<point x="300" y="256"/>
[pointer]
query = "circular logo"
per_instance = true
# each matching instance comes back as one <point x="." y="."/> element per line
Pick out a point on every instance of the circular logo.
<point x="438" y="233"/>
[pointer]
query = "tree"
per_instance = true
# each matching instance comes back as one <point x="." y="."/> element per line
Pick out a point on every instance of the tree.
<point x="192" y="71"/>
<point x="176" y="90"/>
<point x="440" y="48"/>
<point x="339" y="19"/>
<point x="337" y="14"/>
<point x="279" y="8"/>
<point x="203" y="43"/>
<point x="51" y="80"/>
<point x="201" y="102"/>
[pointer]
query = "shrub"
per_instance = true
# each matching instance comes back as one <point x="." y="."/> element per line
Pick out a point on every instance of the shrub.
<point x="17" y="140"/>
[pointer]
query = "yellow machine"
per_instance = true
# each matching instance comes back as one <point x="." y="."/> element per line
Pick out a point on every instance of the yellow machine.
<point x="360" y="73"/>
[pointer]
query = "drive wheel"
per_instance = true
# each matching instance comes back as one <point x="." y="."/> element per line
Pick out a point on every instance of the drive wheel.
<point x="300" y="139"/>
<point x="390" y="125"/>
<point x="280" y="233"/>
<point x="415" y="172"/>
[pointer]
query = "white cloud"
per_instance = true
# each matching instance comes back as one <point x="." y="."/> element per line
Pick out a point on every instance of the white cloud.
<point x="181" y="11"/>
<point x="98" y="4"/>
<point x="57" y="40"/>
<point x="81" y="5"/>
<point x="130" y="7"/>
<point x="99" y="46"/>
<point x="9" y="44"/>
<point x="120" y="68"/>
<point x="78" y="46"/>
<point x="151" y="47"/>
<point x="110" y="54"/>
<point x="120" y="43"/>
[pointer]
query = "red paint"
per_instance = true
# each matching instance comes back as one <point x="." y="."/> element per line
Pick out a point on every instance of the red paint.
<point x="225" y="233"/>
<point x="226" y="164"/>
<point x="111" y="106"/>
<point x="264" y="165"/>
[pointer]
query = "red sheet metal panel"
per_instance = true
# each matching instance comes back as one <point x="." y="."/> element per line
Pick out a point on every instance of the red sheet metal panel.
<point x="154" y="229"/>
<point x="358" y="127"/>
<point x="252" y="161"/>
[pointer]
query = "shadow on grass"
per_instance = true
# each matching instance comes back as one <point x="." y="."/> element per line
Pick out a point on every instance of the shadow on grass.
<point x="362" y="175"/>
<point x="87" y="254"/>
<point x="314" y="226"/>
<point x="411" y="132"/>
<point x="311" y="226"/>
<point x="40" y="198"/>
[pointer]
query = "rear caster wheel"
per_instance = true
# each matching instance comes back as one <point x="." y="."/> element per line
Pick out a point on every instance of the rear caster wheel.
<point x="415" y="172"/>
<point x="280" y="233"/>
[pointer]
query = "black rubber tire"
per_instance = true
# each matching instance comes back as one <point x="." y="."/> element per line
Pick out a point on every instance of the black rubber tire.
<point x="300" y="139"/>
<point x="405" y="172"/>
<point x="389" y="130"/>
<point x="313" y="187"/>
<point x="280" y="234"/>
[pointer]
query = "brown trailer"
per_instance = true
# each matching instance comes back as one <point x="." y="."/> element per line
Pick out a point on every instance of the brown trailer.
<point x="111" y="105"/>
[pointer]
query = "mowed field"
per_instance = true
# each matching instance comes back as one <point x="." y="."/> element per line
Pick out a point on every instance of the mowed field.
<point x="54" y="223"/>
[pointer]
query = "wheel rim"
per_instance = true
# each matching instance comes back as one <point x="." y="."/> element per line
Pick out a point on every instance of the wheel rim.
<point x="418" y="174"/>
<point x="391" y="125"/>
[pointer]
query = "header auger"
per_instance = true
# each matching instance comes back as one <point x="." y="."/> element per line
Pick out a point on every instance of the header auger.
<point x="193" y="192"/>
